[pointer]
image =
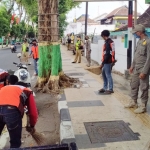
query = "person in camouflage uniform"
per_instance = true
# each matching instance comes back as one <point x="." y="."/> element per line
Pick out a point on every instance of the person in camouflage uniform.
<point x="140" y="70"/>
<point x="88" y="51"/>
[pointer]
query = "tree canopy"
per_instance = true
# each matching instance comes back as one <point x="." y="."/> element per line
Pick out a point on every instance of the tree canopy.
<point x="64" y="7"/>
<point x="27" y="14"/>
<point x="4" y="21"/>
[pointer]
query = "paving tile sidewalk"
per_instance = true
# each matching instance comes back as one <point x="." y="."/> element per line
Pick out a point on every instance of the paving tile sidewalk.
<point x="101" y="122"/>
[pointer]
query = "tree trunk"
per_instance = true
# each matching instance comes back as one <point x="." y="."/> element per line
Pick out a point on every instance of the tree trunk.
<point x="50" y="73"/>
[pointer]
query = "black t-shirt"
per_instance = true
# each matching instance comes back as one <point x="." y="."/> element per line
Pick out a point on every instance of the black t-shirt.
<point x="69" y="40"/>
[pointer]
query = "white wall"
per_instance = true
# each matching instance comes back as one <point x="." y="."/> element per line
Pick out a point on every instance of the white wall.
<point x="121" y="54"/>
<point x="80" y="28"/>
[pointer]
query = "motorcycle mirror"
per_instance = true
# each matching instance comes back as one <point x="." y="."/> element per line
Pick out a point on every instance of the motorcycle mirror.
<point x="29" y="64"/>
<point x="19" y="55"/>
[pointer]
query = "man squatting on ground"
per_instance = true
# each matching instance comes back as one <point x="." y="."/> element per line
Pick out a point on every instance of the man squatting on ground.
<point x="13" y="99"/>
<point x="140" y="70"/>
<point x="108" y="58"/>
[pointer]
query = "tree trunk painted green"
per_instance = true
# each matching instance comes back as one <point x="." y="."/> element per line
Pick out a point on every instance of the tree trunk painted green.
<point x="50" y="62"/>
<point x="50" y="73"/>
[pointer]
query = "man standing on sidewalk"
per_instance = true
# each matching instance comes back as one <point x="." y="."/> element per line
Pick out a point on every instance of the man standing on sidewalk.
<point x="79" y="48"/>
<point x="108" y="58"/>
<point x="35" y="54"/>
<point x="25" y="51"/>
<point x="69" y="42"/>
<point x="88" y="51"/>
<point x="140" y="70"/>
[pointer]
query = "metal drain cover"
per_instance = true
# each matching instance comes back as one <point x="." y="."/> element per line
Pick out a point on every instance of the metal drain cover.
<point x="110" y="131"/>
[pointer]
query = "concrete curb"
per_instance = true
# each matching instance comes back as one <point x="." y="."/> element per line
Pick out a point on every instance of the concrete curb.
<point x="5" y="48"/>
<point x="66" y="130"/>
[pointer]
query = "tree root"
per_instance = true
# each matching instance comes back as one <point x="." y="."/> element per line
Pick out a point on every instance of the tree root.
<point x="54" y="84"/>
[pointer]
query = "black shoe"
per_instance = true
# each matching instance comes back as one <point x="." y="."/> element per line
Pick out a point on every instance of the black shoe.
<point x="79" y="62"/>
<point x="108" y="92"/>
<point x="101" y="91"/>
<point x="73" y="62"/>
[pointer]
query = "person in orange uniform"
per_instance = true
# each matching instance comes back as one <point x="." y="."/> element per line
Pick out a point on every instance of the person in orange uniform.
<point x="35" y="54"/>
<point x="3" y="76"/>
<point x="13" y="99"/>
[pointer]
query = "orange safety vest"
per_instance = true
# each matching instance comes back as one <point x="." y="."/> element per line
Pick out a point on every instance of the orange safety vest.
<point x="14" y="95"/>
<point x="109" y="50"/>
<point x="35" y="52"/>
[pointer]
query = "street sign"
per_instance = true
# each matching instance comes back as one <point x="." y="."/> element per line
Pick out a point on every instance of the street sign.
<point x="99" y="0"/>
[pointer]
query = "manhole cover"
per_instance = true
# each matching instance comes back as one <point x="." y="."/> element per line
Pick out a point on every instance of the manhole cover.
<point x="110" y="131"/>
<point x="75" y="74"/>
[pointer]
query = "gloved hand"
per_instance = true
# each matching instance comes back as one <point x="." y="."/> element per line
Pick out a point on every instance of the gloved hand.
<point x="30" y="129"/>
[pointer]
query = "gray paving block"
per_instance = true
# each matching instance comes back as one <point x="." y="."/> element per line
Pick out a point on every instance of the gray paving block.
<point x="75" y="74"/>
<point x="65" y="115"/>
<point x="83" y="142"/>
<point x="90" y="80"/>
<point x="122" y="88"/>
<point x="65" y="59"/>
<point x="69" y="70"/>
<point x="84" y="82"/>
<point x="91" y="103"/>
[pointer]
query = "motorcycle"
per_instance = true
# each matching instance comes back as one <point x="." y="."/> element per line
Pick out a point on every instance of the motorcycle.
<point x="23" y="74"/>
<point x="13" y="48"/>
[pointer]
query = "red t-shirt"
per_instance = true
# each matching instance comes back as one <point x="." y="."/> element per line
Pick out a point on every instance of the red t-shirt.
<point x="32" y="110"/>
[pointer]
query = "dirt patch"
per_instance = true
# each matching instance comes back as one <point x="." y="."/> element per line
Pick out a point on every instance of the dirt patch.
<point x="48" y="121"/>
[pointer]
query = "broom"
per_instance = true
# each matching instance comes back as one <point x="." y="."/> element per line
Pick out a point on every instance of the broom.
<point x="38" y="137"/>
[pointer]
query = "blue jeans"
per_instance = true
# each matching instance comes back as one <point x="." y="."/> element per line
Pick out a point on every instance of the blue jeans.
<point x="107" y="78"/>
<point x="35" y="65"/>
<point x="11" y="117"/>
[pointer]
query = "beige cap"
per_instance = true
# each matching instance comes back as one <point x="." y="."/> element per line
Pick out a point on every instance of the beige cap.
<point x="137" y="28"/>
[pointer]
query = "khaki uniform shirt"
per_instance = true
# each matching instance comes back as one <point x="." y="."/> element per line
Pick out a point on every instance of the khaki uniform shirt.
<point x="141" y="61"/>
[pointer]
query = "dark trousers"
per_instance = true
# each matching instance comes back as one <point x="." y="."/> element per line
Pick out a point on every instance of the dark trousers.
<point x="11" y="117"/>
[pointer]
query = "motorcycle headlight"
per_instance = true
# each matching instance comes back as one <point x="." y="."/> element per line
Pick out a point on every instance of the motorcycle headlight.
<point x="23" y="75"/>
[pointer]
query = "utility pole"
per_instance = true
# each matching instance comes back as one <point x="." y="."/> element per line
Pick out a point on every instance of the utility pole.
<point x="135" y="20"/>
<point x="130" y="23"/>
<point x="86" y="18"/>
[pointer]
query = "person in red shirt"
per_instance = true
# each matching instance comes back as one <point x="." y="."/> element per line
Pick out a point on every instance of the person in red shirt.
<point x="13" y="99"/>
<point x="3" y="76"/>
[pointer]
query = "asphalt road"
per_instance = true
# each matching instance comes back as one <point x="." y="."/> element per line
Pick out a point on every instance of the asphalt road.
<point x="7" y="58"/>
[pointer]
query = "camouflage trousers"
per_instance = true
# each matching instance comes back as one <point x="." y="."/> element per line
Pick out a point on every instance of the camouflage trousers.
<point x="137" y="83"/>
<point x="88" y="56"/>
